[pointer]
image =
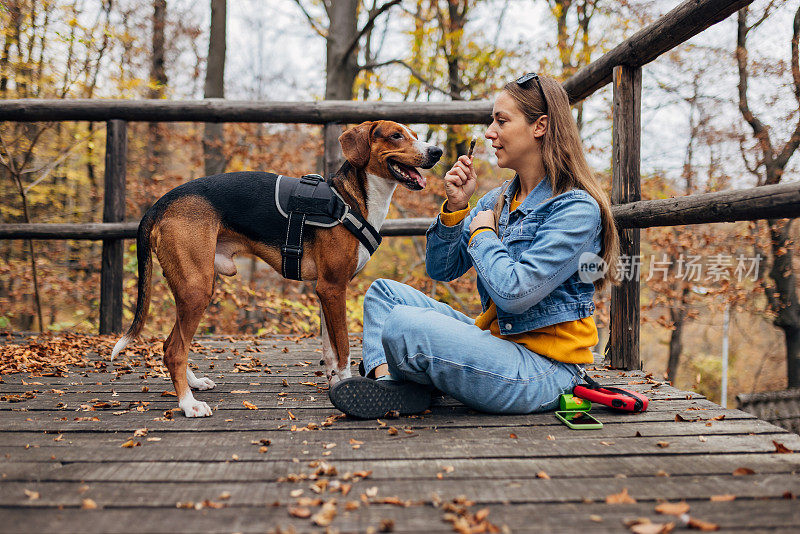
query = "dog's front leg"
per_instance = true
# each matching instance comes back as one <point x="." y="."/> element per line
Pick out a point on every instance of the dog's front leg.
<point x="333" y="319"/>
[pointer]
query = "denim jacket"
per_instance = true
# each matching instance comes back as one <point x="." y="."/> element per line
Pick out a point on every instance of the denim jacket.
<point x="531" y="270"/>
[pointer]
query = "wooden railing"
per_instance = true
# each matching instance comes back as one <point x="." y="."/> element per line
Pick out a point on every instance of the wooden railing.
<point x="622" y="66"/>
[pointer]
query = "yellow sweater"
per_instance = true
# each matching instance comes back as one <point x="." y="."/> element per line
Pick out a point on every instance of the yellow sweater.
<point x="568" y="342"/>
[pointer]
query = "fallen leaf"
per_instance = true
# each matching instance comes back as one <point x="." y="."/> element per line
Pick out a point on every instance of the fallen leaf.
<point x="513" y="436"/>
<point x="240" y="392"/>
<point x="130" y="443"/>
<point x="138" y="433"/>
<point x="743" y="471"/>
<point x="326" y="514"/>
<point x="673" y="508"/>
<point x="225" y="495"/>
<point x="392" y="431"/>
<point x="291" y="415"/>
<point x="168" y="394"/>
<point x="387" y="525"/>
<point x="663" y="444"/>
<point x="32" y="495"/>
<point x="60" y="437"/>
<point x="652" y="528"/>
<point x="88" y="504"/>
<point x="550" y="437"/>
<point x="723" y="498"/>
<point x="596" y="518"/>
<point x="542" y="474"/>
<point x="249" y="405"/>
<point x="699" y="524"/>
<point x="299" y="511"/>
<point x="780" y="448"/>
<point x="620" y="498"/>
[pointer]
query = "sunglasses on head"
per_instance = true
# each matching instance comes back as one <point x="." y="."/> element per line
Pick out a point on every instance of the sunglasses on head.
<point x="523" y="80"/>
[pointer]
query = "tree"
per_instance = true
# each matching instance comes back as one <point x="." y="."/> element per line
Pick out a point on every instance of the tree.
<point x="213" y="138"/>
<point x="771" y="161"/>
<point x="343" y="37"/>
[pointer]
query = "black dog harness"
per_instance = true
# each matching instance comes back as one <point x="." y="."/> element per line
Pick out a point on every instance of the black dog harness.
<point x="311" y="200"/>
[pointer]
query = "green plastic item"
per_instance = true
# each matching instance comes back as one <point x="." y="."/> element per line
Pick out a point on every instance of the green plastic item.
<point x="568" y="402"/>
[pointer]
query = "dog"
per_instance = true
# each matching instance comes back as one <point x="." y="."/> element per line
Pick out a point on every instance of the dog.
<point x="196" y="229"/>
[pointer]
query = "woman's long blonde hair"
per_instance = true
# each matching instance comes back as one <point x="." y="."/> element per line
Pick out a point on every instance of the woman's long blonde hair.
<point x="563" y="158"/>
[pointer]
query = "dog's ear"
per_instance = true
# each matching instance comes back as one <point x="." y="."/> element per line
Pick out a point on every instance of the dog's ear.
<point x="355" y="144"/>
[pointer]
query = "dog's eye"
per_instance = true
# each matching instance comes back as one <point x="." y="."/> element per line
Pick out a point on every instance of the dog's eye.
<point x="397" y="135"/>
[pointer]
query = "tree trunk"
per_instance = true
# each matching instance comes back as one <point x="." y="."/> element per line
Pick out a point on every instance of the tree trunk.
<point x="677" y="316"/>
<point x="214" y="157"/>
<point x="341" y="71"/>
<point x="783" y="297"/>
<point x="158" y="83"/>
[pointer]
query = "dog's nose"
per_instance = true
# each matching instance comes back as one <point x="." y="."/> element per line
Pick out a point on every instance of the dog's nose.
<point x="435" y="153"/>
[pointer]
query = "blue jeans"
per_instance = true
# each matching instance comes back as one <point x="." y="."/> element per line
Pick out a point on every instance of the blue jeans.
<point x="428" y="342"/>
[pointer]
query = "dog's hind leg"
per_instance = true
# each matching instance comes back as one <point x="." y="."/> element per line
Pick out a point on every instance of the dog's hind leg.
<point x="188" y="265"/>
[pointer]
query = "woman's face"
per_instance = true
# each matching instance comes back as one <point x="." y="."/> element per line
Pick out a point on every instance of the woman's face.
<point x="513" y="138"/>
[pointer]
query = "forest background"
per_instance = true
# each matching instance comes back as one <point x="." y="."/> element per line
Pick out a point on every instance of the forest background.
<point x="719" y="112"/>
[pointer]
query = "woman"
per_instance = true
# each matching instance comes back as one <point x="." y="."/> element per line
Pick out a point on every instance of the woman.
<point x="536" y="330"/>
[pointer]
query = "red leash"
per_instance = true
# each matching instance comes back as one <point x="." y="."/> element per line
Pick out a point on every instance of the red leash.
<point x="617" y="398"/>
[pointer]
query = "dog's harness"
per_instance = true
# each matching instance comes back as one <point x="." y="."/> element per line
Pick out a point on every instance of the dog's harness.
<point x="311" y="200"/>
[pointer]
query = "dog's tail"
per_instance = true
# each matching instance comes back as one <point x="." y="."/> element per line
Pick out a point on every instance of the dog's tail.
<point x="144" y="258"/>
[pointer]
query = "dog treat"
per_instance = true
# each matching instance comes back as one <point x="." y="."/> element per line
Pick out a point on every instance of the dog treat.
<point x="471" y="147"/>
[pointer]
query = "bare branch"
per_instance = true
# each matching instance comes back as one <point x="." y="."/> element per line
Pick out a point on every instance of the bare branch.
<point x="764" y="15"/>
<point x="414" y="73"/>
<point x="52" y="165"/>
<point x="367" y="27"/>
<point x="760" y="131"/>
<point x="794" y="141"/>
<point x="314" y="23"/>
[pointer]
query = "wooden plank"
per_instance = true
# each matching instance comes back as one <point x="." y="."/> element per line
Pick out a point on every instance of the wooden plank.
<point x="740" y="515"/>
<point x="377" y="444"/>
<point x="509" y="490"/>
<point x="113" y="212"/>
<point x="106" y="465"/>
<point x="626" y="187"/>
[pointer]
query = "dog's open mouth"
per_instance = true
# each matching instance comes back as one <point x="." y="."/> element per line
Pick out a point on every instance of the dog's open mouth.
<point x="407" y="175"/>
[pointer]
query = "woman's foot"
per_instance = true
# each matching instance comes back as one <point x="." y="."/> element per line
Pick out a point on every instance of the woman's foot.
<point x="366" y="398"/>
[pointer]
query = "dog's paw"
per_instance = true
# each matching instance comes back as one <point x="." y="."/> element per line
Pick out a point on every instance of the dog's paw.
<point x="202" y="383"/>
<point x="337" y="375"/>
<point x="195" y="408"/>
<point x="344" y="373"/>
<point x="198" y="383"/>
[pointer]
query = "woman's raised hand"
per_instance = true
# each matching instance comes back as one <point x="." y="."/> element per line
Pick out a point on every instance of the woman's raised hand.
<point x="460" y="183"/>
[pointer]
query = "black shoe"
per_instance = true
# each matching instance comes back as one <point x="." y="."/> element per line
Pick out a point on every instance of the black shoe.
<point x="369" y="399"/>
<point x="361" y="370"/>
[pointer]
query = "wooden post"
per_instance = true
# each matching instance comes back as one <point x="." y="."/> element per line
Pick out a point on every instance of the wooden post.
<point x="113" y="211"/>
<point x="332" y="157"/>
<point x="626" y="187"/>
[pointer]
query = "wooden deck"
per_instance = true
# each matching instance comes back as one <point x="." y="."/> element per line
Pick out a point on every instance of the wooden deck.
<point x="65" y="468"/>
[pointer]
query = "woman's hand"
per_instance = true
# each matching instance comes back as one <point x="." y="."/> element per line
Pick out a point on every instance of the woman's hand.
<point x="460" y="183"/>
<point x="482" y="218"/>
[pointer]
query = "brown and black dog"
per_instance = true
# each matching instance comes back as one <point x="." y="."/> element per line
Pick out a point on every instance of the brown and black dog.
<point x="196" y="229"/>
